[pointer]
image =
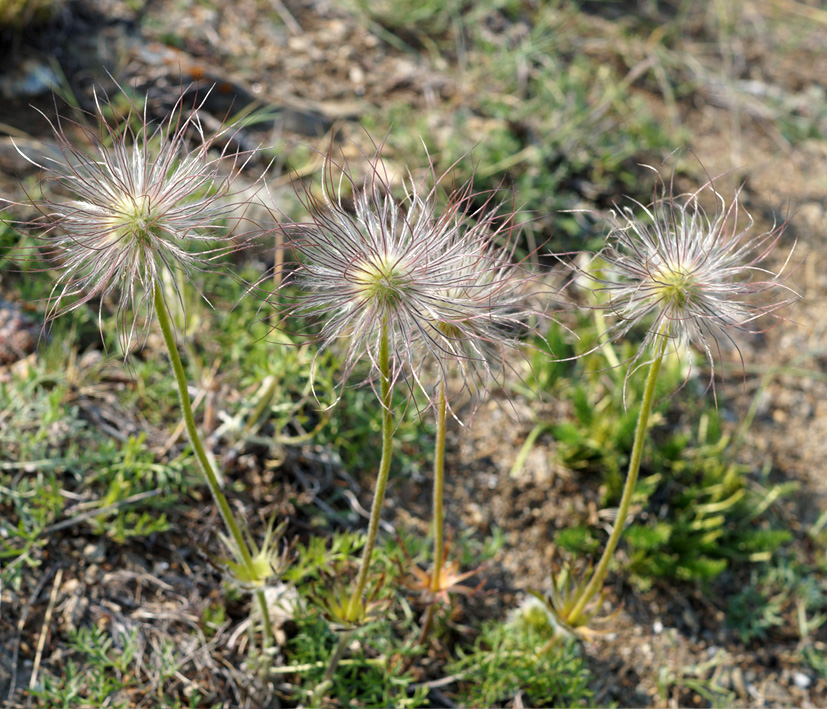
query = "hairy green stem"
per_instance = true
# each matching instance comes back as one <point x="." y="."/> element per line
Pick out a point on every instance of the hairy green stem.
<point x="596" y="582"/>
<point x="375" y="510"/>
<point x="381" y="478"/>
<point x="439" y="484"/>
<point x="201" y="454"/>
<point x="439" y="517"/>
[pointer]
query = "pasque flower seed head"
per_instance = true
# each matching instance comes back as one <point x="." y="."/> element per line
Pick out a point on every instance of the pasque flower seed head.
<point x="440" y="280"/>
<point x="692" y="277"/>
<point x="144" y="202"/>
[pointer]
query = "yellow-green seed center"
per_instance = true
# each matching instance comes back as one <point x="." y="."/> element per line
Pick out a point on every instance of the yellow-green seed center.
<point x="384" y="278"/>
<point x="131" y="218"/>
<point x="675" y="284"/>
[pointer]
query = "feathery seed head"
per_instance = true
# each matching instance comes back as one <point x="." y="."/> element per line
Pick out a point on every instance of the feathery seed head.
<point x="690" y="275"/>
<point x="439" y="280"/>
<point x="145" y="202"/>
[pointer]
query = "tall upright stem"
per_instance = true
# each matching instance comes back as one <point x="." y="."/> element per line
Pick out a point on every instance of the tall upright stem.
<point x="382" y="477"/>
<point x="439" y="485"/>
<point x="204" y="462"/>
<point x="596" y="582"/>
<point x="439" y="516"/>
<point x="375" y="510"/>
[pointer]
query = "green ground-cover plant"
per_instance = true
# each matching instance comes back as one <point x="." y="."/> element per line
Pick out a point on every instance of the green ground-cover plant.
<point x="364" y="677"/>
<point x="673" y="683"/>
<point x="103" y="671"/>
<point x="700" y="508"/>
<point x="715" y="516"/>
<point x="376" y="671"/>
<point x="49" y="445"/>
<point x="784" y="585"/>
<point x="373" y="674"/>
<point x="523" y="656"/>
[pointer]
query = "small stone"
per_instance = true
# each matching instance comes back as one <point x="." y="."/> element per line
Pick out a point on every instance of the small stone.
<point x="70" y="586"/>
<point x="477" y="515"/>
<point x="357" y="79"/>
<point x="95" y="553"/>
<point x="74" y="609"/>
<point x="801" y="680"/>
